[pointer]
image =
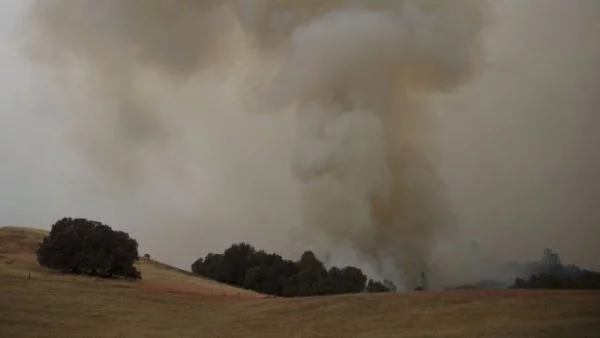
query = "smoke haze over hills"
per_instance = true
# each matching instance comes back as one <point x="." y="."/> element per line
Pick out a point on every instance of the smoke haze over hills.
<point x="377" y="133"/>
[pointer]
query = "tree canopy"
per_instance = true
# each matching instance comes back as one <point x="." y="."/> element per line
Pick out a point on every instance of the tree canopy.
<point x="243" y="266"/>
<point x="81" y="246"/>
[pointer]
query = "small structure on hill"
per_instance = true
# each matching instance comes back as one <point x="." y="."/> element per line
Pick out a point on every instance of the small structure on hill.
<point x="146" y="257"/>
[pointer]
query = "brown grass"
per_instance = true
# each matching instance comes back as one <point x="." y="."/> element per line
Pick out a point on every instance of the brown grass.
<point x="16" y="240"/>
<point x="170" y="303"/>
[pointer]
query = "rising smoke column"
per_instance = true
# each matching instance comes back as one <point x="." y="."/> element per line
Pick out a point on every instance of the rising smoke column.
<point x="355" y="73"/>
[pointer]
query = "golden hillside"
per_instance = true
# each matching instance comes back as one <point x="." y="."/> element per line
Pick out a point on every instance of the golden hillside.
<point x="172" y="303"/>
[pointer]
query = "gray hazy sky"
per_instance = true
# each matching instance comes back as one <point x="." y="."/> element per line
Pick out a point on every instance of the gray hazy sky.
<point x="519" y="146"/>
<point x="30" y="148"/>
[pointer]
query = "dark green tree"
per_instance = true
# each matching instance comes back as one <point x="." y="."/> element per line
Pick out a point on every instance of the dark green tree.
<point x="82" y="246"/>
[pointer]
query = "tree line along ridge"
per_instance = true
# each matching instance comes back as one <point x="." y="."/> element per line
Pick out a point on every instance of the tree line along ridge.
<point x="86" y="247"/>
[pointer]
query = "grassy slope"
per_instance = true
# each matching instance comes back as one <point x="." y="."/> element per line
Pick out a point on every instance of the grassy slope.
<point x="171" y="303"/>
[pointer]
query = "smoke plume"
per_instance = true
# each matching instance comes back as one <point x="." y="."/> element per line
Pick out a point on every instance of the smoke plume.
<point x="345" y="155"/>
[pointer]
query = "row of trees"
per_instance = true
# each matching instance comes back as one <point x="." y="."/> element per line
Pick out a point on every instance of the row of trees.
<point x="550" y="273"/>
<point x="568" y="278"/>
<point x="81" y="246"/>
<point x="546" y="273"/>
<point x="588" y="280"/>
<point x="243" y="266"/>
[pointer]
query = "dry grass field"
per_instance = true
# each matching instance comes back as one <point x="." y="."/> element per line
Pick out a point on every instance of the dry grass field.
<point x="172" y="303"/>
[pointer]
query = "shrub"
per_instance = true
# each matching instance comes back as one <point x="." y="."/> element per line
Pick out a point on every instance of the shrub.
<point x="376" y="286"/>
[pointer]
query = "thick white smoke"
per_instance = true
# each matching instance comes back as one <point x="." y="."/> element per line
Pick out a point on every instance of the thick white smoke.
<point x="354" y="75"/>
<point x="351" y="73"/>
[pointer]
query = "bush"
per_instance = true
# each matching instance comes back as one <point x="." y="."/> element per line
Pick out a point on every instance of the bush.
<point x="81" y="246"/>
<point x="376" y="286"/>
